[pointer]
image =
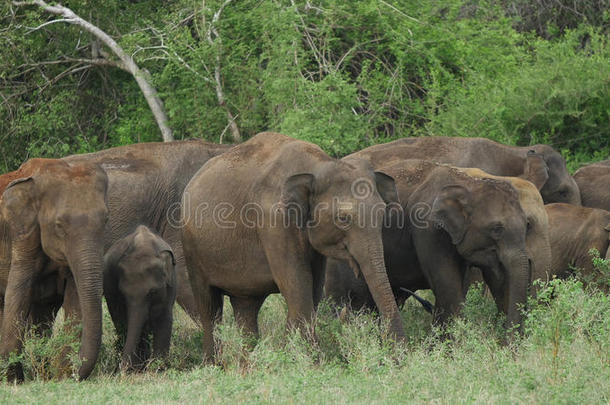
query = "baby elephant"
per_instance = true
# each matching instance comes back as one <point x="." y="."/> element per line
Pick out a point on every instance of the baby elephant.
<point x="140" y="290"/>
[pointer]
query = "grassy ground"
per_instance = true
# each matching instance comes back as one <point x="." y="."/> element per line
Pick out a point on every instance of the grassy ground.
<point x="563" y="357"/>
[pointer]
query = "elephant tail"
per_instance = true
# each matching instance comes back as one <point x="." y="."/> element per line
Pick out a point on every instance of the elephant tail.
<point x="425" y="303"/>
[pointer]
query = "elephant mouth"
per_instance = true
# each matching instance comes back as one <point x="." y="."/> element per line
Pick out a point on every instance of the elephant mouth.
<point x="353" y="263"/>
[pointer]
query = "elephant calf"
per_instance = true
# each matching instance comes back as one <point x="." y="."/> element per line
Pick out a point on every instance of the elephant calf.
<point x="574" y="231"/>
<point x="140" y="290"/>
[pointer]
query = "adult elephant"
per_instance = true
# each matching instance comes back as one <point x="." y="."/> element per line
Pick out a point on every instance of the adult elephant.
<point x="574" y="231"/>
<point x="260" y="218"/>
<point x="145" y="184"/>
<point x="594" y="183"/>
<point x="450" y="221"/>
<point x="49" y="289"/>
<point x="540" y="164"/>
<point x="56" y="213"/>
<point x="537" y="239"/>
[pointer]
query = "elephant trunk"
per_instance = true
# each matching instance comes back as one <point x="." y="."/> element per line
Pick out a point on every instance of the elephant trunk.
<point x="87" y="269"/>
<point x="5" y="250"/>
<point x="518" y="275"/>
<point x="136" y="317"/>
<point x="539" y="250"/>
<point x="369" y="257"/>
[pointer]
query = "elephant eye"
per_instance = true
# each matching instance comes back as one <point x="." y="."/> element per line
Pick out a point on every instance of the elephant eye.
<point x="344" y="219"/>
<point x="60" y="228"/>
<point x="563" y="193"/>
<point x="497" y="230"/>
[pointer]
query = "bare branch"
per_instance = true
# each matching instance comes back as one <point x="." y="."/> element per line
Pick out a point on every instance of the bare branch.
<point x="235" y="134"/>
<point x="68" y="20"/>
<point x="96" y="61"/>
<point x="141" y="77"/>
<point x="399" y="12"/>
<point x="185" y="63"/>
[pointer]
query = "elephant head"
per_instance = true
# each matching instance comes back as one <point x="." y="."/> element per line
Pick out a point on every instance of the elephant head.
<point x="487" y="225"/>
<point x="537" y="238"/>
<point x="343" y="204"/>
<point x="546" y="168"/>
<point x="140" y="286"/>
<point x="59" y="213"/>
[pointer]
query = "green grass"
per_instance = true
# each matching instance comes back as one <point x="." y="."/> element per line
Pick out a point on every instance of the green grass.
<point x="562" y="357"/>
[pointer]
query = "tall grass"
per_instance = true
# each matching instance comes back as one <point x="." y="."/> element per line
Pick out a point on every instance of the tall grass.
<point x="563" y="356"/>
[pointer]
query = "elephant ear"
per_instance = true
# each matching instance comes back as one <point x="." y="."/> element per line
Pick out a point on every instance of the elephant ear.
<point x="162" y="246"/>
<point x="116" y="252"/>
<point x="535" y="169"/>
<point x="607" y="228"/>
<point x="386" y="188"/>
<point x="20" y="206"/>
<point x="295" y="198"/>
<point x="451" y="211"/>
<point x="169" y="268"/>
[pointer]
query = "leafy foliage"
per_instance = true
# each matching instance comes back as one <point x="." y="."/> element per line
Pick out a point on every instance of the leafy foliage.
<point x="341" y="74"/>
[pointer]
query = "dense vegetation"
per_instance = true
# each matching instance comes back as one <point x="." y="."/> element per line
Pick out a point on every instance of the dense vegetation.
<point x="340" y="73"/>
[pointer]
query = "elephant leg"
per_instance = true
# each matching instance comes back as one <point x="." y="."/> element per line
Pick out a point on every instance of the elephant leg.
<point x="445" y="277"/>
<point x="184" y="292"/>
<point x="142" y="354"/>
<point x="246" y="314"/>
<point x="210" y="312"/>
<point x="448" y="293"/>
<point x="472" y="275"/>
<point x="71" y="304"/>
<point x="294" y="278"/>
<point x="17" y="304"/>
<point x="42" y="316"/>
<point x="72" y="317"/>
<point x="318" y="268"/>
<point x="162" y="334"/>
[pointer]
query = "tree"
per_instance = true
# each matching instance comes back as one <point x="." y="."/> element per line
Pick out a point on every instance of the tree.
<point x="125" y="61"/>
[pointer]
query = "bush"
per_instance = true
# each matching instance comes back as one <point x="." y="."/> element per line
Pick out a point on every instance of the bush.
<point x="550" y="18"/>
<point x="336" y="73"/>
<point x="47" y="356"/>
<point x="561" y="98"/>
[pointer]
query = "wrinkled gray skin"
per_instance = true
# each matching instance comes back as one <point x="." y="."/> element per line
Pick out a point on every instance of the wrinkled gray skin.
<point x="145" y="184"/>
<point x="537" y="239"/>
<point x="594" y="183"/>
<point x="549" y="174"/>
<point x="56" y="214"/>
<point x="451" y="221"/>
<point x="269" y="179"/>
<point x="140" y="289"/>
<point x="574" y="231"/>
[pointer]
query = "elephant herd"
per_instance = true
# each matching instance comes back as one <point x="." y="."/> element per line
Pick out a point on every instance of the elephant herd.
<point x="151" y="224"/>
